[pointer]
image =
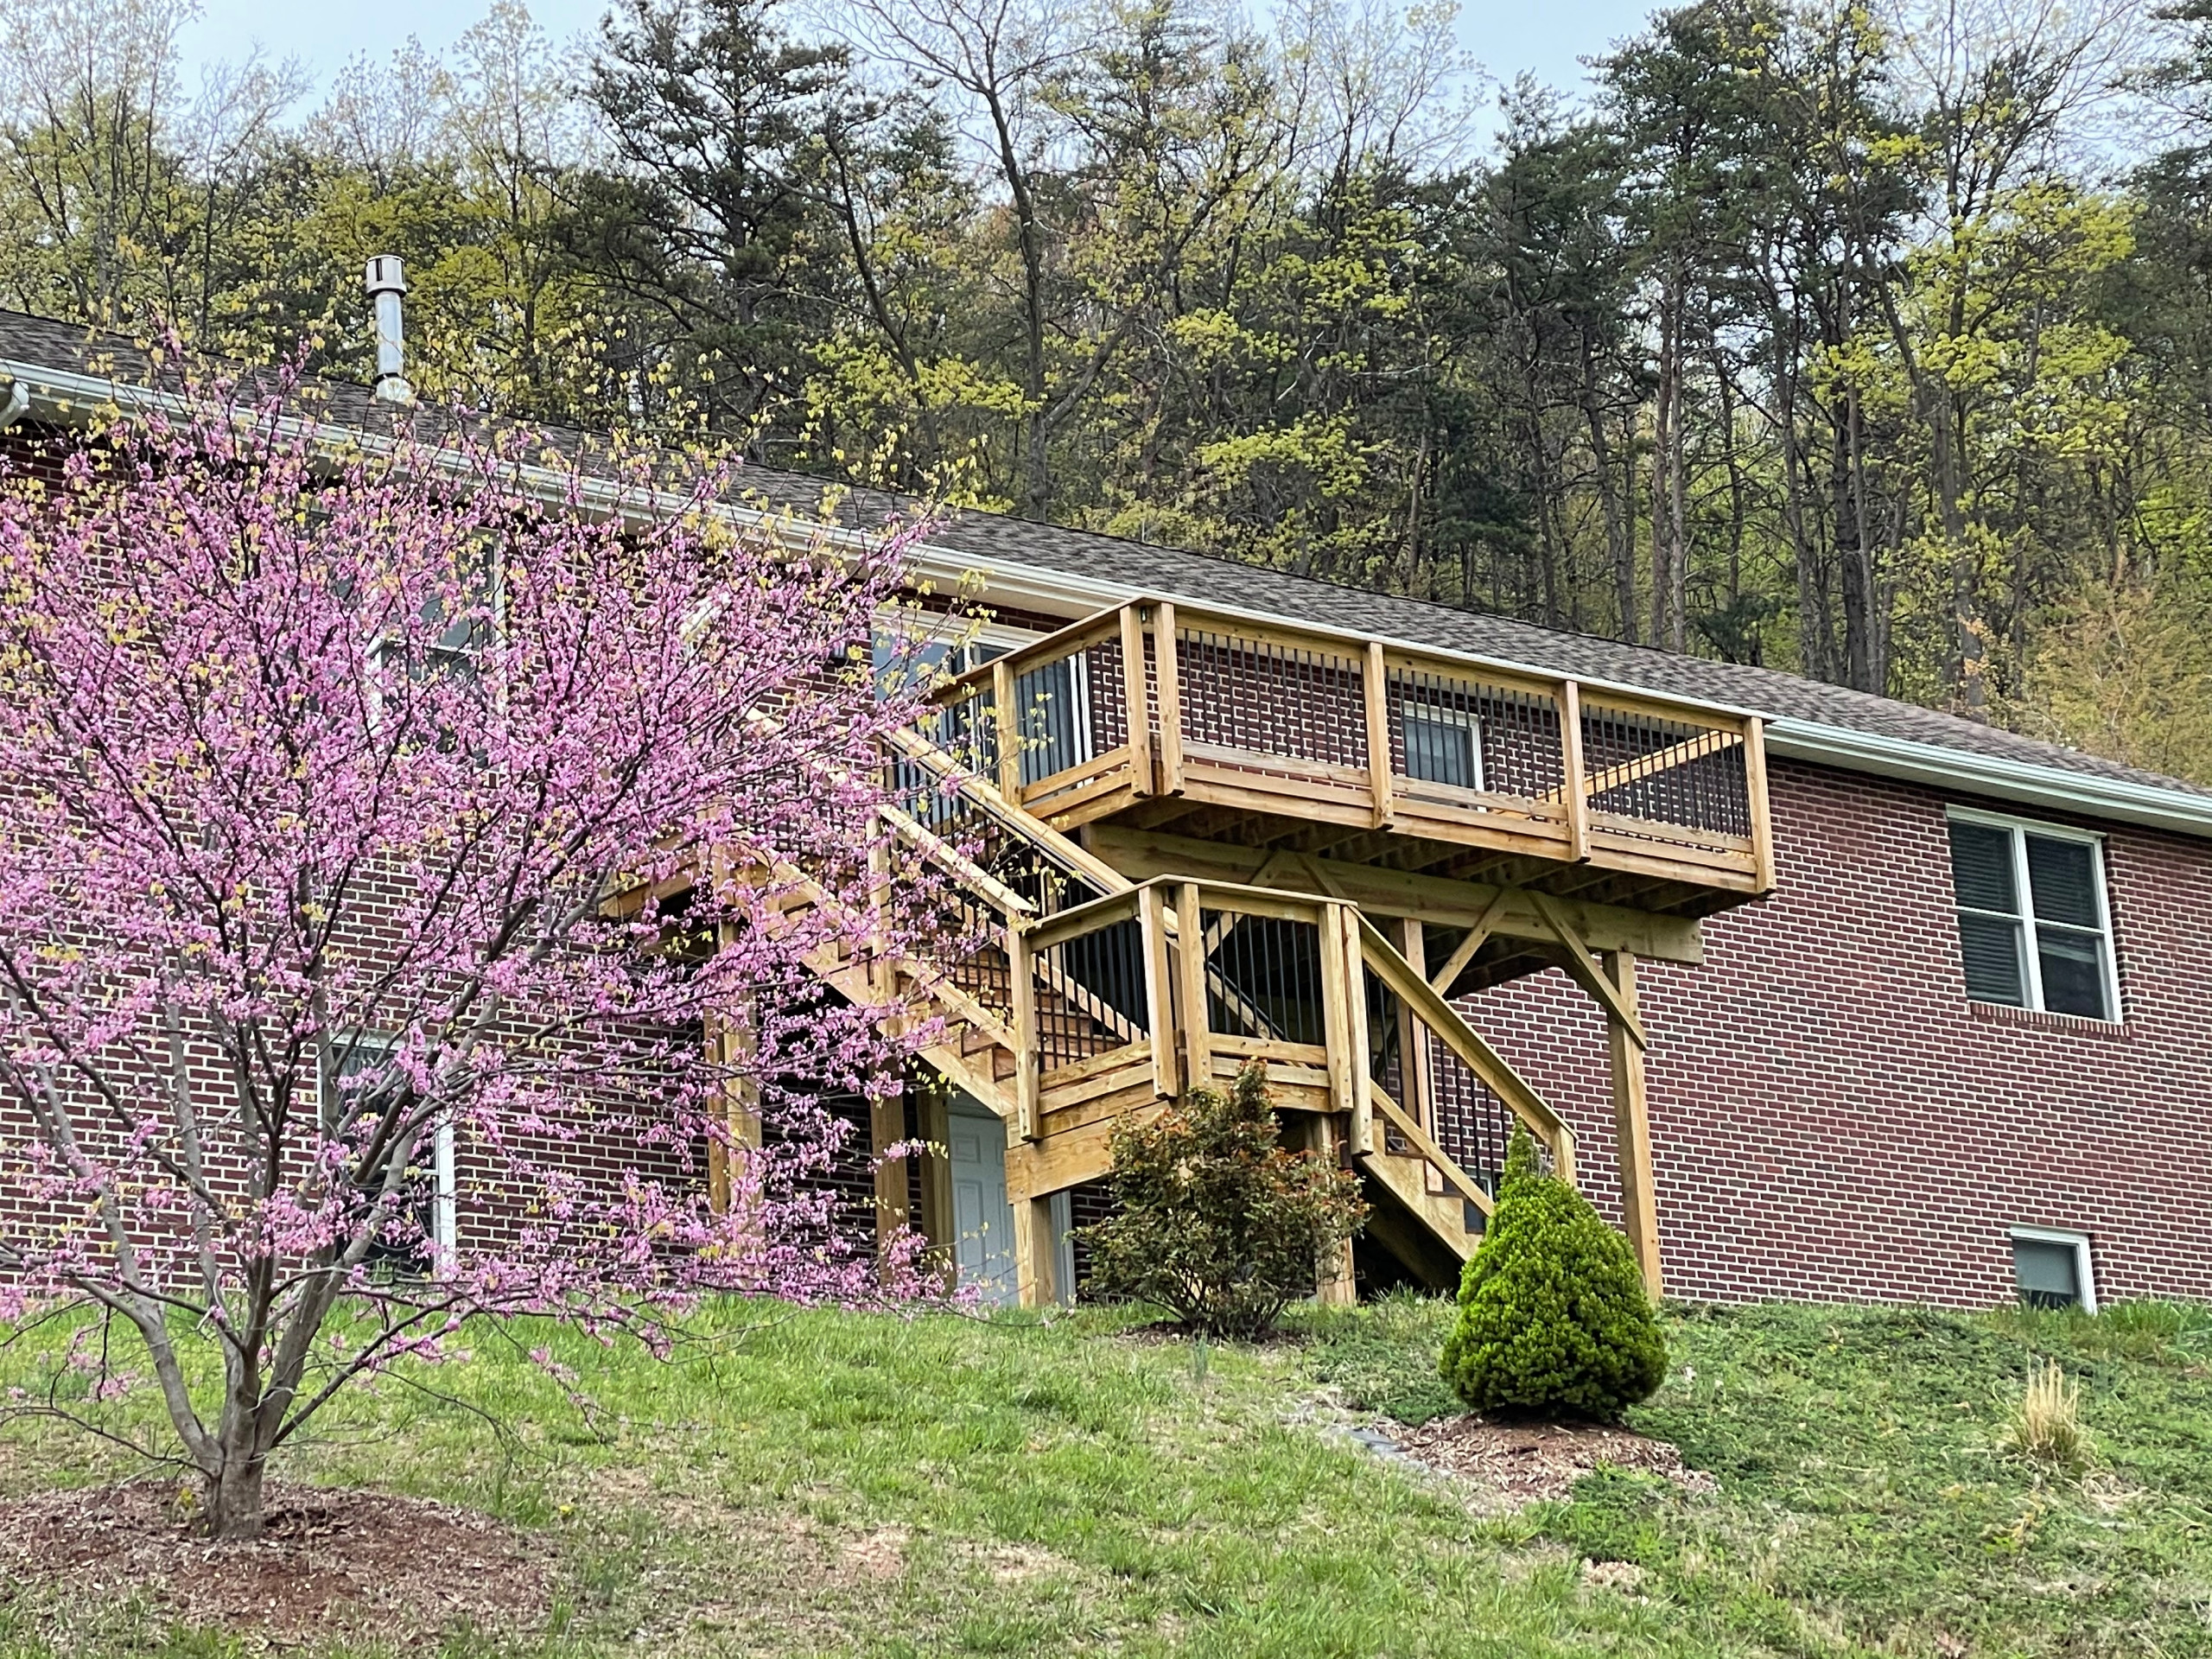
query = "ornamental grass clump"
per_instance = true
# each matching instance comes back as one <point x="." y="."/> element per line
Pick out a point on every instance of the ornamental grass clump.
<point x="1554" y="1320"/>
<point x="2046" y="1425"/>
<point x="1217" y="1223"/>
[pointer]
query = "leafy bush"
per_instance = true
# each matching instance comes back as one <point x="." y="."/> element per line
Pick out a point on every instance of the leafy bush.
<point x="1219" y="1224"/>
<point x="1554" y="1320"/>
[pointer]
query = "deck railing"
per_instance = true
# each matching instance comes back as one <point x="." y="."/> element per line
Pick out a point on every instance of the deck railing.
<point x="1179" y="984"/>
<point x="1155" y="699"/>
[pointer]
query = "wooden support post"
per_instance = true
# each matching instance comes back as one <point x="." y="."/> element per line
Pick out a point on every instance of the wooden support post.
<point x="1139" y="704"/>
<point x="1335" y="1284"/>
<point x="1762" y="811"/>
<point x="1573" y="775"/>
<point x="1378" y="677"/>
<point x="1336" y="1013"/>
<point x="718" y="1155"/>
<point x="1363" y="1083"/>
<point x="1633" y="1125"/>
<point x="1159" y="986"/>
<point x="1190" y="937"/>
<point x="1169" y="675"/>
<point x="1021" y="1016"/>
<point x="1034" y="1248"/>
<point x="886" y="1124"/>
<point x="933" y="1117"/>
<point x="882" y="976"/>
<point x="731" y="1044"/>
<point x="1414" y="1092"/>
<point x="1009" y="727"/>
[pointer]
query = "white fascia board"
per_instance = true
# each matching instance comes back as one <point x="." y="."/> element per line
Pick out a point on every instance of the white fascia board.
<point x="69" y="396"/>
<point x="2117" y="799"/>
<point x="1961" y="772"/>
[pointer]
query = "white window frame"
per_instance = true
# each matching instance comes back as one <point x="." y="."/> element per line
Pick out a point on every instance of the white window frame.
<point x="1001" y="641"/>
<point x="1411" y="709"/>
<point x="381" y="648"/>
<point x="898" y="619"/>
<point x="2032" y="972"/>
<point x="2084" y="1257"/>
<point x="445" y="1187"/>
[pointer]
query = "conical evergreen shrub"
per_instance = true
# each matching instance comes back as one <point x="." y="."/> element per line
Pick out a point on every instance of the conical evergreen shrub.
<point x="1554" y="1320"/>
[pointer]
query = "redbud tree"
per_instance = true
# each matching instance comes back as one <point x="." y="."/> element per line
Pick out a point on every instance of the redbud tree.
<point x="405" y="817"/>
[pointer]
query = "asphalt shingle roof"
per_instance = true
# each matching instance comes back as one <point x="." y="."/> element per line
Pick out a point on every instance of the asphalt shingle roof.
<point x="995" y="542"/>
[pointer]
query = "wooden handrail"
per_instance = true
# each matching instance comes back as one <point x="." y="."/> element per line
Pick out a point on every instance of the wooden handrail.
<point x="1060" y="643"/>
<point x="1104" y="624"/>
<point x="935" y="848"/>
<point x="1078" y="919"/>
<point x="1714" y="739"/>
<point x="1091" y="868"/>
<point x="1448" y="1025"/>
<point x="1352" y="645"/>
<point x="1432" y="1153"/>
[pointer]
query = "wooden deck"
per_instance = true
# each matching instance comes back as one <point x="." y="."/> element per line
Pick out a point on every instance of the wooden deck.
<point x="1154" y="717"/>
<point x="1183" y="842"/>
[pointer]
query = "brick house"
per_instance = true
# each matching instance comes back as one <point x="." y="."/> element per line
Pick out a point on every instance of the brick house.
<point x="1820" y="995"/>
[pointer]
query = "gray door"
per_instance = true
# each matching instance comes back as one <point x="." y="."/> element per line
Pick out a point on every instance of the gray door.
<point x="983" y="1220"/>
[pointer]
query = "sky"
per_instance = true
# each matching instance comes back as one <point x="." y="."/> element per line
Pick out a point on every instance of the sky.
<point x="1547" y="36"/>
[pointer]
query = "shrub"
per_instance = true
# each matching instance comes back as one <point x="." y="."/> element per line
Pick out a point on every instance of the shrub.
<point x="2047" y="1423"/>
<point x="1217" y="1223"/>
<point x="1554" y="1320"/>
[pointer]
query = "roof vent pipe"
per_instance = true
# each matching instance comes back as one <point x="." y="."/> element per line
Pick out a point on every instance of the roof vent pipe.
<point x="387" y="282"/>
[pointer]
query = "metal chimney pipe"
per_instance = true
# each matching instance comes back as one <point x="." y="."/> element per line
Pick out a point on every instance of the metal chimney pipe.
<point x="387" y="282"/>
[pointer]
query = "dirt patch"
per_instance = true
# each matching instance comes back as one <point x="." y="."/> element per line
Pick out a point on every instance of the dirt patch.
<point x="1524" y="1462"/>
<point x="878" y="1554"/>
<point x="1174" y="1333"/>
<point x="404" y="1566"/>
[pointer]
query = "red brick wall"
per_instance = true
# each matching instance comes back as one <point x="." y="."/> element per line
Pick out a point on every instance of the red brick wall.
<point x="1832" y="1120"/>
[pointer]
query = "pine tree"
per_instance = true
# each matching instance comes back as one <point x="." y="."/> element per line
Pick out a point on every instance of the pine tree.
<point x="1554" y="1320"/>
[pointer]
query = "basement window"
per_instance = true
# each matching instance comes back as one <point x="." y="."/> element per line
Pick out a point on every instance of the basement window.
<point x="2050" y="1269"/>
<point x="2034" y="928"/>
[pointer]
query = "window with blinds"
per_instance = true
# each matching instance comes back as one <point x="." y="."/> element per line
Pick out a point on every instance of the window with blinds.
<point x="1443" y="744"/>
<point x="2033" y="928"/>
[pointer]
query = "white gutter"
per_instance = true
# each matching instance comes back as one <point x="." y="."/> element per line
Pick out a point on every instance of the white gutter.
<point x="2119" y="799"/>
<point x="1961" y="770"/>
<point x="62" y="392"/>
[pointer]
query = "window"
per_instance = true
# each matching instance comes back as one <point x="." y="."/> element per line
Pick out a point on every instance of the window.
<point x="1055" y="703"/>
<point x="2034" y="931"/>
<point x="1443" y="745"/>
<point x="429" y="1186"/>
<point x="1054" y="698"/>
<point x="2050" y="1269"/>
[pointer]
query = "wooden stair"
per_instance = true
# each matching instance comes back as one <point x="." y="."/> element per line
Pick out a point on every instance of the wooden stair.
<point x="1032" y="1031"/>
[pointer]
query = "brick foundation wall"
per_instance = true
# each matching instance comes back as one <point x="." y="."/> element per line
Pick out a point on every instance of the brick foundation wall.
<point x="1833" y="1120"/>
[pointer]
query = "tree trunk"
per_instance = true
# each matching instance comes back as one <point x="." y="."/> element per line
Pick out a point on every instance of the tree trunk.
<point x="233" y="1495"/>
<point x="1663" y="539"/>
<point x="1861" y="622"/>
<point x="1620" y="549"/>
<point x="1969" y="662"/>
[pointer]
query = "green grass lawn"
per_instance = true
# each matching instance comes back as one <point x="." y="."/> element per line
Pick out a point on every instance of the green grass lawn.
<point x="835" y="1483"/>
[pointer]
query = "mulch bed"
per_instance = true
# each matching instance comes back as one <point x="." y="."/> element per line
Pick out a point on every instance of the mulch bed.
<point x="1525" y="1462"/>
<point x="403" y="1566"/>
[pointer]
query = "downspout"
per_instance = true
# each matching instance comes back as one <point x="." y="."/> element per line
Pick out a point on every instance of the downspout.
<point x="18" y="405"/>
